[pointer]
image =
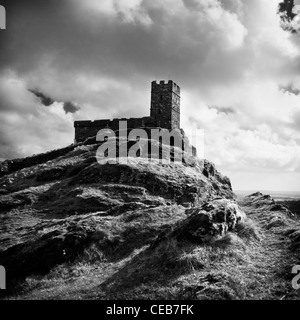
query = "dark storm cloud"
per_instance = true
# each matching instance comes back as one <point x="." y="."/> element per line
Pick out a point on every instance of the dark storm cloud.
<point x="75" y="40"/>
<point x="68" y="106"/>
<point x="46" y="101"/>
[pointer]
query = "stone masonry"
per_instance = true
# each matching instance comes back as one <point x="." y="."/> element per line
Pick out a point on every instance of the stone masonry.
<point x="164" y="113"/>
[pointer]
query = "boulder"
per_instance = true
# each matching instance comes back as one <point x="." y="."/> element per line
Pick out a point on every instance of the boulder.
<point x="213" y="219"/>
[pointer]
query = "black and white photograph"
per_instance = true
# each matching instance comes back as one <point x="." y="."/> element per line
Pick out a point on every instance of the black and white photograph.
<point x="150" y="151"/>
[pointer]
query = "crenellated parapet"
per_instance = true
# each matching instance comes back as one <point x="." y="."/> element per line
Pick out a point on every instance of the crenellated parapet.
<point x="163" y="85"/>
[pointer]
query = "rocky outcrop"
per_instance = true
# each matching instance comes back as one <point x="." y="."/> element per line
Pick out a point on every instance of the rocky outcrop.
<point x="213" y="219"/>
<point x="272" y="215"/>
<point x="77" y="179"/>
<point x="266" y="202"/>
<point x="55" y="205"/>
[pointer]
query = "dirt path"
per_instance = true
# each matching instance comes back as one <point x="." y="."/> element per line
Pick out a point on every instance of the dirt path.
<point x="273" y="256"/>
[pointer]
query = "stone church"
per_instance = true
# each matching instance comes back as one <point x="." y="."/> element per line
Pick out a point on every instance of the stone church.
<point x="164" y="113"/>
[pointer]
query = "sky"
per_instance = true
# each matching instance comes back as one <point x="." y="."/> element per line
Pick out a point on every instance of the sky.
<point x="66" y="60"/>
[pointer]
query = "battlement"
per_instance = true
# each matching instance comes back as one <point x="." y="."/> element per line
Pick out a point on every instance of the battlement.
<point x="91" y="123"/>
<point x="163" y="85"/>
<point x="114" y="124"/>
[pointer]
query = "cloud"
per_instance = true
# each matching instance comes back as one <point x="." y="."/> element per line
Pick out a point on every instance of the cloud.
<point x="46" y="101"/>
<point x="69" y="107"/>
<point x="291" y="89"/>
<point x="233" y="61"/>
<point x="225" y="110"/>
<point x="27" y="127"/>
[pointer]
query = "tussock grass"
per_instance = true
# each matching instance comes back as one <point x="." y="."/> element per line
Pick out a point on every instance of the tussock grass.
<point x="229" y="240"/>
<point x="152" y="274"/>
<point x="171" y="260"/>
<point x="294" y="235"/>
<point x="248" y="230"/>
<point x="92" y="254"/>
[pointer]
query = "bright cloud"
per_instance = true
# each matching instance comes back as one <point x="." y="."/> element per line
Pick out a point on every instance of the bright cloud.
<point x="230" y="57"/>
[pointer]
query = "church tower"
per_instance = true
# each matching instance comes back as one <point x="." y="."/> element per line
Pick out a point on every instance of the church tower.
<point x="165" y="104"/>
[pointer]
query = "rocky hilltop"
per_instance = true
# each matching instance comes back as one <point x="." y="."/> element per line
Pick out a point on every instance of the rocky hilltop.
<point x="73" y="228"/>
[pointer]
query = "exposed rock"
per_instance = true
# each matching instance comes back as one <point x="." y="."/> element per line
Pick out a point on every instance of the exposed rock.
<point x="262" y="201"/>
<point x="281" y="208"/>
<point x="258" y="199"/>
<point x="211" y="220"/>
<point x="272" y="215"/>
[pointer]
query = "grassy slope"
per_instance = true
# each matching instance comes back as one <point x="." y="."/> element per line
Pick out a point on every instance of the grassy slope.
<point x="255" y="262"/>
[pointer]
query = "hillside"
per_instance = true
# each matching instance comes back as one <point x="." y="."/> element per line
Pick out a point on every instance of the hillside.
<point x="71" y="228"/>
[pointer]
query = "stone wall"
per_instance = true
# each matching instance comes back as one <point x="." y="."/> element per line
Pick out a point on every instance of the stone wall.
<point x="88" y="129"/>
